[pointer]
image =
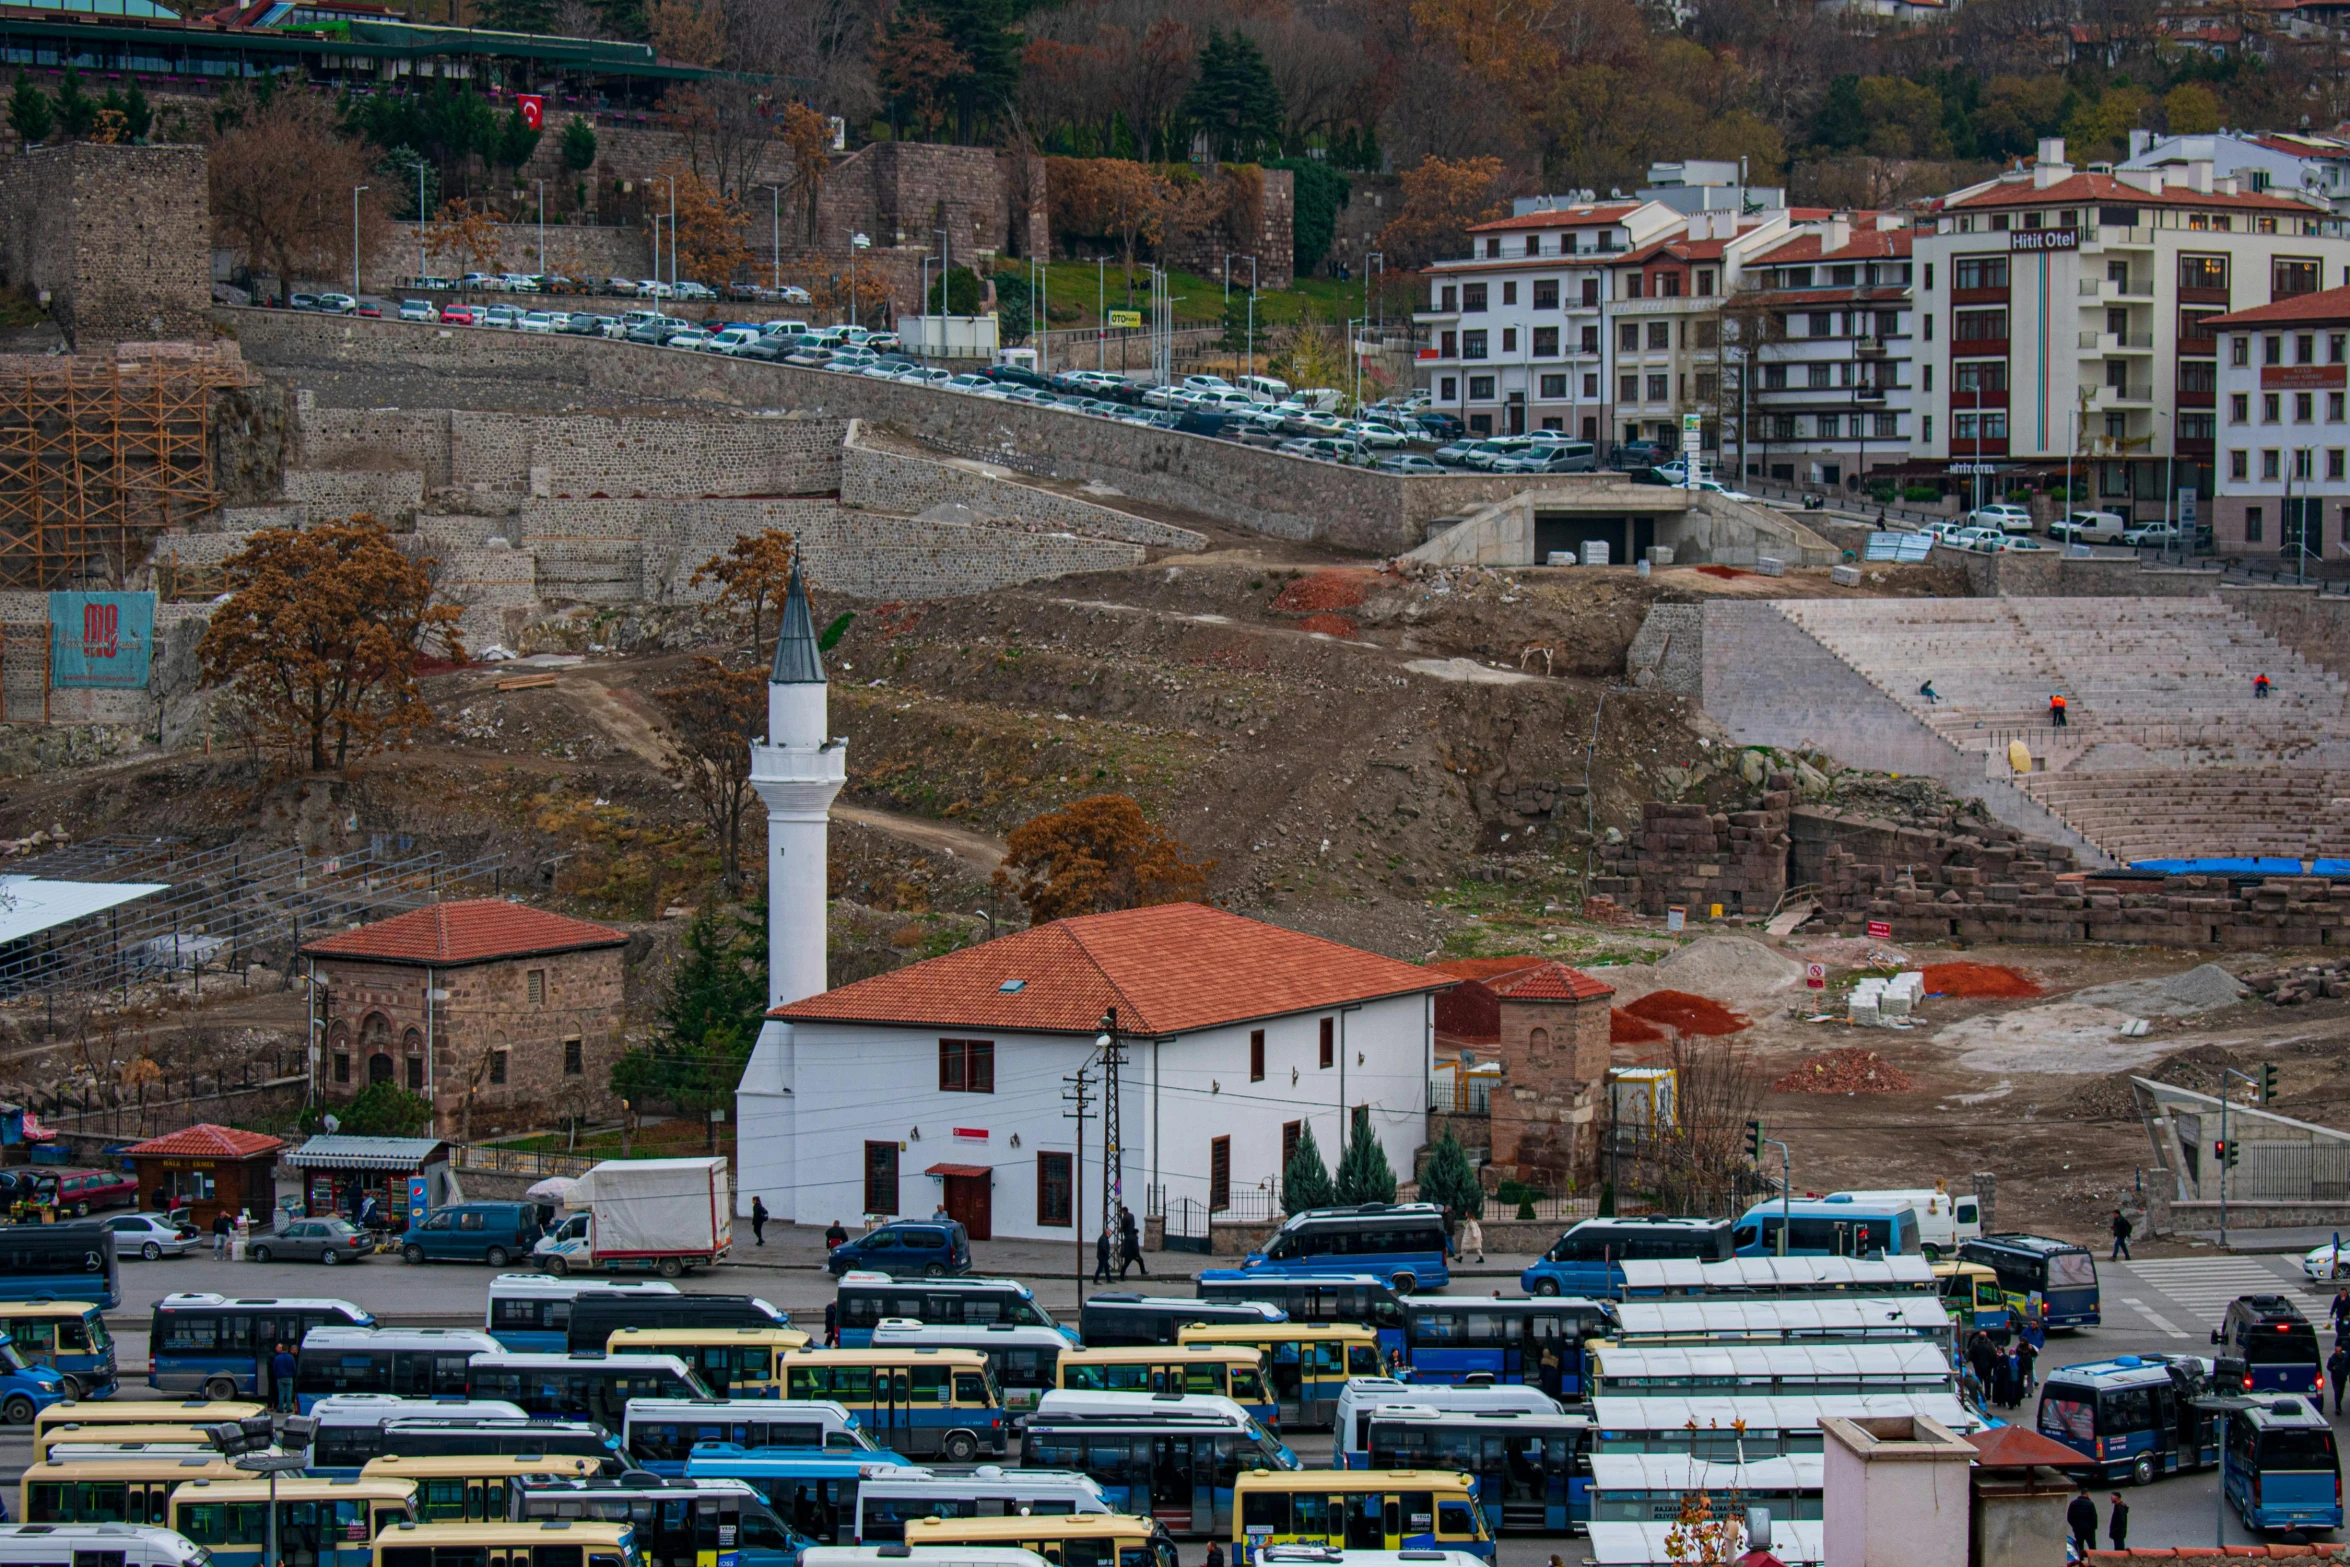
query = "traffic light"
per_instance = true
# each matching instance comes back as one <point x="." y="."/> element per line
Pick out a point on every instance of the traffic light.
<point x="2225" y="1153"/>
<point x="1754" y="1141"/>
<point x="2268" y="1081"/>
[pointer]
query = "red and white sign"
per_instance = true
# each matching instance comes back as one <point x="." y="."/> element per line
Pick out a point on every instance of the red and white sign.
<point x="977" y="1134"/>
<point x="1815" y="975"/>
<point x="1880" y="930"/>
<point x="533" y="109"/>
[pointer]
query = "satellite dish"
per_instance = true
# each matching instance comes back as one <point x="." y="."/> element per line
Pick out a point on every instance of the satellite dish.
<point x="331" y="1124"/>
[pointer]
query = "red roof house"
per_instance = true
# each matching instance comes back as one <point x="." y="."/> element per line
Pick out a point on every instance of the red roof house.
<point x="206" y="1170"/>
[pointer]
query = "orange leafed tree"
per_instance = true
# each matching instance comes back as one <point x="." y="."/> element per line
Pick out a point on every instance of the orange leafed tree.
<point x="1118" y="197"/>
<point x="715" y="715"/>
<point x="710" y="246"/>
<point x="465" y="235"/>
<point x="921" y="69"/>
<point x="751" y="575"/>
<point x="1095" y="855"/>
<point x="1441" y="199"/>
<point x="318" y="641"/>
<point x="808" y="137"/>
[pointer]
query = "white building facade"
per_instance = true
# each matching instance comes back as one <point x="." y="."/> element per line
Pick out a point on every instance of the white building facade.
<point x="1826" y="398"/>
<point x="947" y="1084"/>
<point x="2065" y="321"/>
<point x="2283" y="468"/>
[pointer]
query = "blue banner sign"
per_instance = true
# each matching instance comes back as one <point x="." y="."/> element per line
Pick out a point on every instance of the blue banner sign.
<point x="101" y="640"/>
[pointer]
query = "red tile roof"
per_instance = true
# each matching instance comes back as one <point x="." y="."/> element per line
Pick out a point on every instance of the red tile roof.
<point x="207" y="1141"/>
<point x="1170" y="969"/>
<point x="2107" y="188"/>
<point x="476" y="930"/>
<point x="1561" y="218"/>
<point x="2019" y="1447"/>
<point x="2325" y="306"/>
<point x="1864" y="245"/>
<point x="1527" y="978"/>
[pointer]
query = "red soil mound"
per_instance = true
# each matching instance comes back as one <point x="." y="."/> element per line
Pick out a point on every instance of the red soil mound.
<point x="1625" y="1029"/>
<point x="1329" y="625"/>
<point x="1690" y="1014"/>
<point x="1724" y="572"/>
<point x="1978" y="979"/>
<point x="1853" y="1070"/>
<point x="1324" y="590"/>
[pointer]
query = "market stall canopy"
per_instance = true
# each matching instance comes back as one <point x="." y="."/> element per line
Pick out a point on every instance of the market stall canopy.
<point x="336" y="1151"/>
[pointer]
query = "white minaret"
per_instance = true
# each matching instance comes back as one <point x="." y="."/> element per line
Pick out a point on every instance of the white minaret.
<point x="797" y="773"/>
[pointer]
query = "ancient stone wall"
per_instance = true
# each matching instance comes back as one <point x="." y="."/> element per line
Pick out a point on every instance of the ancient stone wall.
<point x="1262" y="226"/>
<point x="119" y="238"/>
<point x="590" y="252"/>
<point x="905" y="484"/>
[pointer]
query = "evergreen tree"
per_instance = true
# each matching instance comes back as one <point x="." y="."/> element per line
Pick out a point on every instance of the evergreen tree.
<point x="1451" y="1181"/>
<point x="516" y="140"/>
<point x="1236" y="324"/>
<point x="1305" y="1180"/>
<point x="402" y="168"/>
<point x="30" y="112"/>
<point x="77" y="111"/>
<point x="138" y="116"/>
<point x="579" y="144"/>
<point x="1235" y="99"/>
<point x="519" y="16"/>
<point x="957" y="292"/>
<point x="1015" y="307"/>
<point x="709" y="1020"/>
<point x="1363" y="1171"/>
<point x="1841" y="122"/>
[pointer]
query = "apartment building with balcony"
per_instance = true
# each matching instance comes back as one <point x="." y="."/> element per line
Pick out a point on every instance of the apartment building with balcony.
<point x="1826" y="397"/>
<point x="1666" y="322"/>
<point x="1517" y="331"/>
<point x="2283" y="465"/>
<point x="2064" y="320"/>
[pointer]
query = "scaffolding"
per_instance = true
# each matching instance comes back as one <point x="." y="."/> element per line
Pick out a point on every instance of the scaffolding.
<point x="100" y="454"/>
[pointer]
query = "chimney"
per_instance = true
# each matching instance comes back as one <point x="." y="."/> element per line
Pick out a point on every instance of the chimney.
<point x="2199" y="176"/>
<point x="1700" y="225"/>
<point x="2052" y="151"/>
<point x="2141" y="143"/>
<point x="1839" y="232"/>
<point x="1894" y="1493"/>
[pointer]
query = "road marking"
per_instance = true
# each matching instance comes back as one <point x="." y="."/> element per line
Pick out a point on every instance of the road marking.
<point x="2157" y="1318"/>
<point x="2204" y="1287"/>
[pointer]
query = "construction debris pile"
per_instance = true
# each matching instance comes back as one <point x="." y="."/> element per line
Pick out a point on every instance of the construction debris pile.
<point x="1852" y="1070"/>
<point x="2290" y="987"/>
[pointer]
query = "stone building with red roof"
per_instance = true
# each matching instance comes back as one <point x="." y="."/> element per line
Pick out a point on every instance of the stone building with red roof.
<point x="1545" y="1026"/>
<point x="502" y="1015"/>
<point x="942" y="1083"/>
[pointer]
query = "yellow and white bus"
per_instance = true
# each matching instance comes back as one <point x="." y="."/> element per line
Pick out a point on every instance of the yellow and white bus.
<point x="548" y="1543"/>
<point x="1358" y="1510"/>
<point x="1064" y="1540"/>
<point x="732" y="1362"/>
<point x="471" y="1490"/>
<point x="320" y="1523"/>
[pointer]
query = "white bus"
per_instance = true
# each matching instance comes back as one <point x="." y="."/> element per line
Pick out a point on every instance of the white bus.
<point x="1747" y="1320"/>
<point x="1362" y="1395"/>
<point x="532" y="1311"/>
<point x="1024" y="1359"/>
<point x="1767" y="1370"/>
<point x="351" y="1425"/>
<point x="1649" y="1487"/>
<point x="404" y="1362"/>
<point x="1781" y="1276"/>
<point x="660" y="1434"/>
<point x="1731" y="1429"/>
<point x="888" y="1501"/>
<point x="65" y="1544"/>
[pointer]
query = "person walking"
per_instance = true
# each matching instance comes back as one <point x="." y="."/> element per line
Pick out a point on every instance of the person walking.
<point x="1979" y="1355"/>
<point x="2117" y="1526"/>
<point x="2027" y="1360"/>
<point x="222" y="1228"/>
<point x="2056" y="721"/>
<point x="2081" y="1519"/>
<point x="2338" y="1367"/>
<point x="832" y="1324"/>
<point x="2004" y="1391"/>
<point x="1927" y="691"/>
<point x="835" y="1236"/>
<point x="281" y="1378"/>
<point x="1215" y="1555"/>
<point x="2121" y="1228"/>
<point x="2260" y="687"/>
<point x="2341" y="1309"/>
<point x="1472" y="1237"/>
<point x="758" y="1221"/>
<point x="1101" y="1256"/>
<point x="1129" y="1244"/>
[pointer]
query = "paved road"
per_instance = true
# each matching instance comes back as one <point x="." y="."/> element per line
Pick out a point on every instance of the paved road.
<point x="2168" y="1305"/>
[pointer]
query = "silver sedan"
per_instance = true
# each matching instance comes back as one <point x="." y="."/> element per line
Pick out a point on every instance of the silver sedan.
<point x="150" y="1235"/>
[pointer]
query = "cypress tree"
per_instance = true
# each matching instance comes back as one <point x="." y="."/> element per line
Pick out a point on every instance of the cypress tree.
<point x="30" y="111"/>
<point x="1305" y="1181"/>
<point x="1363" y="1171"/>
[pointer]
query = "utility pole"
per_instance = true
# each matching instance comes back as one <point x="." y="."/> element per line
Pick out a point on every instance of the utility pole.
<point x="1113" y="1141"/>
<point x="420" y="272"/>
<point x="1078" y="1095"/>
<point x="355" y="190"/>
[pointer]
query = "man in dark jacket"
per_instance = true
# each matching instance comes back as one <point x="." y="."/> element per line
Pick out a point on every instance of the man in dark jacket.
<point x="2117" y="1527"/>
<point x="2338" y="1367"/>
<point x="2121" y="1236"/>
<point x="758" y="1221"/>
<point x="2081" y="1519"/>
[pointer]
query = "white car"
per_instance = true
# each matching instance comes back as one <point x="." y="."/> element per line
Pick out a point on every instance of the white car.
<point x="417" y="310"/>
<point x="691" y="337"/>
<point x="1379" y="437"/>
<point x="2324" y="1265"/>
<point x="487" y="281"/>
<point x="2003" y="515"/>
<point x="2088" y="527"/>
<point x="534" y="321"/>
<point x="2152" y="533"/>
<point x="793" y="294"/>
<point x="732" y="341"/>
<point x="689" y="289"/>
<point x="1982" y="541"/>
<point x="654" y="288"/>
<point x="622" y="285"/>
<point x="520" y="283"/>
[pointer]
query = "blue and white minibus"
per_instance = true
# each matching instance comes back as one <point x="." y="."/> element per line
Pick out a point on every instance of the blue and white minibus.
<point x="2135" y="1417"/>
<point x="887" y="1502"/>
<point x="350" y="1425"/>
<point x="222" y="1345"/>
<point x="1171" y="1457"/>
<point x="2282" y="1470"/>
<point x="1363" y="1396"/>
<point x="814" y="1493"/>
<point x="1118" y="1320"/>
<point x="1360" y="1298"/>
<point x="403" y="1362"/>
<point x="1589" y="1259"/>
<point x="867" y="1298"/>
<point x="1533" y="1471"/>
<point x="660" y="1434"/>
<point x="678" y="1523"/>
<point x="1403" y="1243"/>
<point x="532" y="1311"/>
<point x="1539" y="1341"/>
<point x="588" y="1387"/>
<point x="1827" y="1227"/>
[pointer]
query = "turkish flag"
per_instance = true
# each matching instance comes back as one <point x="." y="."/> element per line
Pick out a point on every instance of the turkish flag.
<point x="534" y="109"/>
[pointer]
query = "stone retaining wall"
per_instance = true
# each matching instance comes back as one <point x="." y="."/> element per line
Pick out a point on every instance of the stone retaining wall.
<point x="904" y="484"/>
<point x="391" y="498"/>
<point x="360" y="363"/>
<point x="583" y="454"/>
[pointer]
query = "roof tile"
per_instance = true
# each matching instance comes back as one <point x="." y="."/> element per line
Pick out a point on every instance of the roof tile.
<point x="2107" y="188"/>
<point x="1561" y="218"/>
<point x="1169" y="969"/>
<point x="2326" y="305"/>
<point x="1527" y="978"/>
<point x="205" y="1140"/>
<point x="475" y="930"/>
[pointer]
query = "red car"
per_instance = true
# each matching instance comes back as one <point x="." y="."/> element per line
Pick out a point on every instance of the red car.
<point x="456" y="315"/>
<point x="80" y="1192"/>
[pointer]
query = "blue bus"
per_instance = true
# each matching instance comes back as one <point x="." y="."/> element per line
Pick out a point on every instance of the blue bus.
<point x="588" y="1387"/>
<point x="1173" y="1459"/>
<point x="660" y="1434"/>
<point x="1533" y="1471"/>
<point x="2275" y="1342"/>
<point x="1118" y="1319"/>
<point x="814" y="1493"/>
<point x="1366" y="1396"/>
<point x="403" y="1362"/>
<point x="679" y="1523"/>
<point x="1827" y="1227"/>
<point x="866" y="1298"/>
<point x="72" y="1261"/>
<point x="1334" y="1296"/>
<point x="2062" y="1275"/>
<point x="2134" y="1417"/>
<point x="221" y="1345"/>
<point x="925" y="1403"/>
<point x="2281" y="1469"/>
<point x="1538" y="1342"/>
<point x="532" y="1311"/>
<point x="1588" y="1260"/>
<point x="1403" y="1243"/>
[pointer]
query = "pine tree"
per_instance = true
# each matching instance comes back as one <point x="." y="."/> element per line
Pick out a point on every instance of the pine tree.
<point x="138" y="115"/>
<point x="1235" y="99"/>
<point x="721" y="980"/>
<point x="579" y="144"/>
<point x="1451" y="1181"/>
<point x="1363" y="1171"/>
<point x="1305" y="1180"/>
<point x="77" y="111"/>
<point x="30" y="111"/>
<point x="1841" y="122"/>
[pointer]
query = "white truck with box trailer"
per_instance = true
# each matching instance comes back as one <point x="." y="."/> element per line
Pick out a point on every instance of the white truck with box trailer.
<point x="663" y="1216"/>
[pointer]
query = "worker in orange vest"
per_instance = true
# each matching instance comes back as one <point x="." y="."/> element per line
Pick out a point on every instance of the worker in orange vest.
<point x="2260" y="687"/>
<point x="2056" y="710"/>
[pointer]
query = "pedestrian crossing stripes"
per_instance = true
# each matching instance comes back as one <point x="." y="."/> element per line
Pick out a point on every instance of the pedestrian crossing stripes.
<point x="2162" y="1324"/>
<point x="2204" y="1287"/>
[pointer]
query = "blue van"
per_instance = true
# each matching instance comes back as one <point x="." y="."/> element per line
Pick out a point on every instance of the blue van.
<point x="1589" y="1259"/>
<point x="2134" y="1417"/>
<point x="1403" y="1243"/>
<point x="2277" y="1345"/>
<point x="2282" y="1470"/>
<point x="924" y="1248"/>
<point x="493" y="1232"/>
<point x="1827" y="1227"/>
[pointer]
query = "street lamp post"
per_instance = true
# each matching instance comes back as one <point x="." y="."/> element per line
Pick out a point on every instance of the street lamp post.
<point x="420" y="272"/>
<point x="857" y="242"/>
<point x="1252" y="315"/>
<point x="355" y="190"/>
<point x="775" y="232"/>
<point x="542" y="185"/>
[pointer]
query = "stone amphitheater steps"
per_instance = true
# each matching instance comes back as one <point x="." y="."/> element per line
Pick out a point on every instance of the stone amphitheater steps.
<point x="2296" y="812"/>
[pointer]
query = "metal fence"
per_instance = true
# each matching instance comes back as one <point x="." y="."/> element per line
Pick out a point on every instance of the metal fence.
<point x="1451" y="1094"/>
<point x="490" y="1159"/>
<point x="2284" y="1171"/>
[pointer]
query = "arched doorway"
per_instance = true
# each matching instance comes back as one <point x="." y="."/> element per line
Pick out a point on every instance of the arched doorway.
<point x="379" y="1068"/>
<point x="375" y="1041"/>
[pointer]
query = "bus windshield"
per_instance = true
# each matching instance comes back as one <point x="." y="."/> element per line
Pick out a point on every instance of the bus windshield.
<point x="2296" y="1345"/>
<point x="2296" y="1449"/>
<point x="2072" y="1270"/>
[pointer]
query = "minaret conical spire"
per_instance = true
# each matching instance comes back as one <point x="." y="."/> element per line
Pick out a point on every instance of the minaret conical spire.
<point x="797" y="661"/>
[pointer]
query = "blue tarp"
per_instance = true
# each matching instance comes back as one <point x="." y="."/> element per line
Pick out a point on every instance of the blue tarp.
<point x="2264" y="865"/>
<point x="2332" y="868"/>
<point x="100" y="639"/>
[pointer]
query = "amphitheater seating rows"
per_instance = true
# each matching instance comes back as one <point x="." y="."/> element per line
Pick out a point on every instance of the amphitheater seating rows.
<point x="2138" y="814"/>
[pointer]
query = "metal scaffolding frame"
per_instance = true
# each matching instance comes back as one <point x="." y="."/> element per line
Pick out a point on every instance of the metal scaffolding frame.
<point x="222" y="908"/>
<point x="98" y="455"/>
